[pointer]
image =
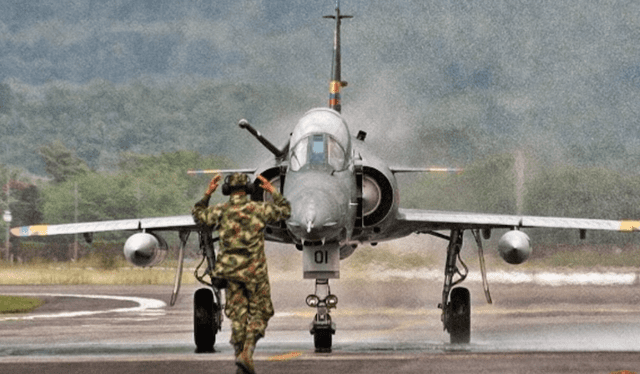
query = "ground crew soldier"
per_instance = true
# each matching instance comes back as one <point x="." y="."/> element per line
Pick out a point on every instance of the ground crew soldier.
<point x="242" y="261"/>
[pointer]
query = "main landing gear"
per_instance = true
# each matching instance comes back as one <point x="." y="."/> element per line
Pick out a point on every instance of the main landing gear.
<point x="207" y="302"/>
<point x="456" y="302"/>
<point x="322" y="328"/>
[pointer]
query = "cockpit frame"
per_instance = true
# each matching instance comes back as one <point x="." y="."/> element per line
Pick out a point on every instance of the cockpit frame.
<point x="318" y="151"/>
<point x="320" y="140"/>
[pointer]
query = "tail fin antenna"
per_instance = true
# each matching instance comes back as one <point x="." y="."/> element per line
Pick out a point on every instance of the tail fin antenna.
<point x="336" y="83"/>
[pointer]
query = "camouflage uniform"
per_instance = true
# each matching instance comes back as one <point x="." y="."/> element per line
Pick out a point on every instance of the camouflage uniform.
<point x="242" y="260"/>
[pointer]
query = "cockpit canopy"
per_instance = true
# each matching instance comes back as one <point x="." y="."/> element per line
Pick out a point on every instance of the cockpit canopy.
<point x="318" y="150"/>
<point x="320" y="139"/>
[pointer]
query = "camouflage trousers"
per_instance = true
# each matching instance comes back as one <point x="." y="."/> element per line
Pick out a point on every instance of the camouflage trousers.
<point x="249" y="308"/>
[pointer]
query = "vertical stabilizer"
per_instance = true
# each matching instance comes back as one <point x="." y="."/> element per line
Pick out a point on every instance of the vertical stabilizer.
<point x="336" y="82"/>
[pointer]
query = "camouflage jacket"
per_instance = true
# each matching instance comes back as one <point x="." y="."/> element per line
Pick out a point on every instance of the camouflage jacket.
<point x="241" y="224"/>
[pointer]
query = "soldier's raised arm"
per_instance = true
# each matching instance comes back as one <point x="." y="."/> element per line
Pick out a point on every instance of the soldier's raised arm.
<point x="201" y="212"/>
<point x="280" y="209"/>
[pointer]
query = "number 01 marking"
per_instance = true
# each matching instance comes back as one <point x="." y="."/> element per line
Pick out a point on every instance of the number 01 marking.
<point x="321" y="257"/>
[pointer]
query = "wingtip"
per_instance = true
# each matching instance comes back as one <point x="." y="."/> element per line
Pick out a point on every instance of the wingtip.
<point x="629" y="225"/>
<point x="24" y="231"/>
<point x="20" y="231"/>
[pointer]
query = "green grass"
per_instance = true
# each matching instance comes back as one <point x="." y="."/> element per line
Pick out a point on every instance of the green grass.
<point x="18" y="304"/>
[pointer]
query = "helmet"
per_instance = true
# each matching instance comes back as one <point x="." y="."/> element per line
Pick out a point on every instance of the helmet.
<point x="237" y="182"/>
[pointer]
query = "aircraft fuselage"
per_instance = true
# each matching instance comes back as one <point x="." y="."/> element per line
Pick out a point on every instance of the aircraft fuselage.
<point x="320" y="180"/>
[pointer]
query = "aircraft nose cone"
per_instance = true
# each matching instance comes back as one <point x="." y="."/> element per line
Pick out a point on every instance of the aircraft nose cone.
<point x="310" y="219"/>
<point x="314" y="218"/>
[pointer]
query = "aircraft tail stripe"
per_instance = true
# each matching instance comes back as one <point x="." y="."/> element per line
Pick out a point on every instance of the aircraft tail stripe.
<point x="334" y="94"/>
<point x="334" y="87"/>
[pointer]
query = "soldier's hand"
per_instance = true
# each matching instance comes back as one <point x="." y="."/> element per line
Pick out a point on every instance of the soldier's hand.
<point x="213" y="185"/>
<point x="266" y="185"/>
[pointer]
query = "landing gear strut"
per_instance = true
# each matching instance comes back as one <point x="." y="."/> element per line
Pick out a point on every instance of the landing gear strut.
<point x="207" y="302"/>
<point x="322" y="328"/>
<point x="456" y="304"/>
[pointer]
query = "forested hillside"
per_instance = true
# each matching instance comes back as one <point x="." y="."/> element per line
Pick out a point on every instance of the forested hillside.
<point x="100" y="120"/>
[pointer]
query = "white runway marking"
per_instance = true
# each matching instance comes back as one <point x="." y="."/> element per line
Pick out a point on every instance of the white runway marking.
<point x="148" y="306"/>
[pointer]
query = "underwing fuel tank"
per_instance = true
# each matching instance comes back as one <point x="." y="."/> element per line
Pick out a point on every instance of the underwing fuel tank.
<point x="514" y="247"/>
<point x="145" y="250"/>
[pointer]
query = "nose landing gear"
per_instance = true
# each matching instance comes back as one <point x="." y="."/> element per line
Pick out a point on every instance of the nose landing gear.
<point x="322" y="328"/>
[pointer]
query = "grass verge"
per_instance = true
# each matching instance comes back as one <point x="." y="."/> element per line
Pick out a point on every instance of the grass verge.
<point x="18" y="304"/>
<point x="366" y="262"/>
<point x="590" y="259"/>
<point x="71" y="274"/>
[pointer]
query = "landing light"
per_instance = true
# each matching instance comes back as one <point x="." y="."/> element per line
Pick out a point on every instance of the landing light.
<point x="332" y="301"/>
<point x="312" y="301"/>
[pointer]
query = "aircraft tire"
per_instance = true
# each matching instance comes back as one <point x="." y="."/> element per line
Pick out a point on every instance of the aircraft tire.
<point x="459" y="319"/>
<point x="204" y="320"/>
<point x="322" y="340"/>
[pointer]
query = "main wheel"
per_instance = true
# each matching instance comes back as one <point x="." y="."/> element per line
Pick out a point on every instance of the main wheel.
<point x="459" y="316"/>
<point x="205" y="323"/>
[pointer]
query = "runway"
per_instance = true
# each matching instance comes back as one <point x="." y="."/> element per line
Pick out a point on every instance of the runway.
<point x="382" y="327"/>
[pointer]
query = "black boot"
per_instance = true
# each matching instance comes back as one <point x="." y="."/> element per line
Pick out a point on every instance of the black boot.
<point x="237" y="349"/>
<point x="244" y="360"/>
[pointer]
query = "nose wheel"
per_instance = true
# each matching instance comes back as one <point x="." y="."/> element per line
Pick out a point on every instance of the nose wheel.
<point x="322" y="338"/>
<point x="322" y="328"/>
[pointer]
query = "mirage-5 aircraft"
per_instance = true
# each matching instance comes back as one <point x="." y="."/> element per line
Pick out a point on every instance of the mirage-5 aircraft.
<point x="342" y="195"/>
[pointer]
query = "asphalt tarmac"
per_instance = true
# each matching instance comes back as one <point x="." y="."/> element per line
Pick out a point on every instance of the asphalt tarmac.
<point x="382" y="327"/>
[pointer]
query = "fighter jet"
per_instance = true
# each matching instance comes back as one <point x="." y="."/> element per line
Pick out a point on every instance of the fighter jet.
<point x="342" y="195"/>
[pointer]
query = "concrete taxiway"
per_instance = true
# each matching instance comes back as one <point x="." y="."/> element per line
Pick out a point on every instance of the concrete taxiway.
<point x="383" y="327"/>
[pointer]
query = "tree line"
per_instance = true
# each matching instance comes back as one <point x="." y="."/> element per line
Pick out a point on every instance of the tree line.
<point x="142" y="186"/>
<point x="158" y="185"/>
<point x="502" y="184"/>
